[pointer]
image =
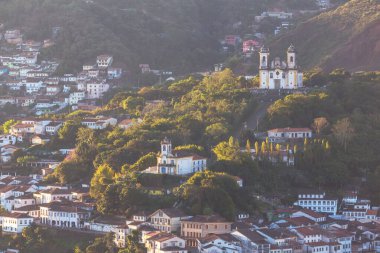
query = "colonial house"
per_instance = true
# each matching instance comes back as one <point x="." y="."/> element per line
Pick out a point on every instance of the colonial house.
<point x="51" y="195"/>
<point x="22" y="129"/>
<point x="322" y="247"/>
<point x="121" y="232"/>
<point x="201" y="225"/>
<point x="277" y="134"/>
<point x="99" y="122"/>
<point x="24" y="200"/>
<point x="6" y="153"/>
<point x="96" y="89"/>
<point x="53" y="127"/>
<point x="105" y="224"/>
<point x="167" y="220"/>
<point x="31" y="210"/>
<point x="176" y="162"/>
<point x="104" y="61"/>
<point x="165" y="243"/>
<point x="340" y="236"/>
<point x="63" y="214"/>
<point x="308" y="234"/>
<point x="76" y="96"/>
<point x="310" y="214"/>
<point x="318" y="202"/>
<point x="280" y="236"/>
<point x="251" y="240"/>
<point x="219" y="244"/>
<point x="15" y="222"/>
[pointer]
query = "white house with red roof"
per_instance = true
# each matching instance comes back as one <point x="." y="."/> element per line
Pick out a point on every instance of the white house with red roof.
<point x="310" y="214"/>
<point x="15" y="222"/>
<point x="176" y="162"/>
<point x="323" y="247"/>
<point x="163" y="242"/>
<point x="289" y="133"/>
<point x="308" y="234"/>
<point x="21" y="128"/>
<point x="99" y="122"/>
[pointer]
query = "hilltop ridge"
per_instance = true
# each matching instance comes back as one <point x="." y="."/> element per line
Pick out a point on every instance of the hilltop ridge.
<point x="348" y="37"/>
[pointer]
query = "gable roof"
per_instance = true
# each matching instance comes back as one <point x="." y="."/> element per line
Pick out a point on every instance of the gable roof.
<point x="207" y="219"/>
<point x="171" y="212"/>
<point x="161" y="237"/>
<point x="311" y="213"/>
<point x="279" y="233"/>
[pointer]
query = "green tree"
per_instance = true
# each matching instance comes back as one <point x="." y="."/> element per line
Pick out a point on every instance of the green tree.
<point x="228" y="151"/>
<point x="103" y="176"/>
<point x="68" y="132"/>
<point x="7" y="125"/>
<point x="216" y="131"/>
<point x="133" y="104"/>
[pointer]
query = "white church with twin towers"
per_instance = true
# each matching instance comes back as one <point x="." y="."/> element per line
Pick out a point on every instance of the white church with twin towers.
<point x="278" y="74"/>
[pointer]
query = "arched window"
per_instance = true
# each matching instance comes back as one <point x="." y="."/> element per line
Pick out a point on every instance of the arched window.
<point x="163" y="148"/>
<point x="291" y="59"/>
<point x="264" y="59"/>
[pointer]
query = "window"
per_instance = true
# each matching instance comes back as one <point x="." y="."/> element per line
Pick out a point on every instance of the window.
<point x="291" y="59"/>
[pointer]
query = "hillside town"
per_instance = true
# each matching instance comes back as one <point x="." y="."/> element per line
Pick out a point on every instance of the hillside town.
<point x="316" y="222"/>
<point x="32" y="85"/>
<point x="256" y="153"/>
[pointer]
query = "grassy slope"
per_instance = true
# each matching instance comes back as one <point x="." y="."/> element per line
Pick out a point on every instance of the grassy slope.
<point x="323" y="38"/>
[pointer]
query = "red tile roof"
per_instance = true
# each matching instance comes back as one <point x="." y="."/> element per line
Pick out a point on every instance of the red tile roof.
<point x="289" y="130"/>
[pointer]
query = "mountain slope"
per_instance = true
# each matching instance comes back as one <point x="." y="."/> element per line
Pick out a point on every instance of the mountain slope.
<point x="345" y="37"/>
<point x="177" y="35"/>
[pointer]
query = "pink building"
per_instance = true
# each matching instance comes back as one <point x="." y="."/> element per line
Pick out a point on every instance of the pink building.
<point x="232" y="40"/>
<point x="250" y="45"/>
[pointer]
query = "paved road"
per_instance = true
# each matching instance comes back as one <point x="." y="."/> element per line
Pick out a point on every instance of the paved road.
<point x="264" y="101"/>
